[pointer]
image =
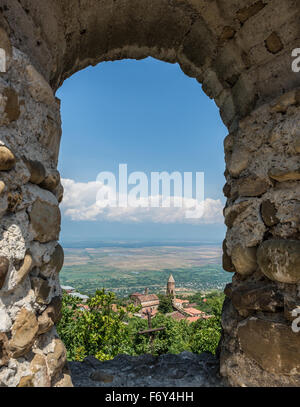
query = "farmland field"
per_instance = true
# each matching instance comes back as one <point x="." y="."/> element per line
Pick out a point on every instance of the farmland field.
<point x="127" y="267"/>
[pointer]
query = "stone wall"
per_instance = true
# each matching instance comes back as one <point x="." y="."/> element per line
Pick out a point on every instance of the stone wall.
<point x="262" y="246"/>
<point x="240" y="51"/>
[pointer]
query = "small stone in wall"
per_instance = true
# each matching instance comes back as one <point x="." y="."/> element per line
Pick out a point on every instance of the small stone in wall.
<point x="227" y="34"/>
<point x="274" y="43"/>
<point x="269" y="212"/>
<point x="7" y="159"/>
<point x="244" y="259"/>
<point x="51" y="181"/>
<point x="14" y="199"/>
<point x="37" y="171"/>
<point x="41" y="289"/>
<point x="50" y="316"/>
<point x="245" y="13"/>
<point x="279" y="260"/>
<point x="24" y="269"/>
<point x="45" y="221"/>
<point x="4" y="352"/>
<point x="288" y="99"/>
<point x="12" y="106"/>
<point x="55" y="264"/>
<point x="291" y="304"/>
<point x="226" y="260"/>
<point x="252" y="186"/>
<point x="57" y="359"/>
<point x="260" y="296"/>
<point x="2" y="187"/>
<point x="274" y="346"/>
<point x="39" y="88"/>
<point x="238" y="162"/>
<point x="59" y="192"/>
<point x="284" y="175"/>
<point x="4" y="265"/>
<point x="38" y="366"/>
<point x="26" y="381"/>
<point x="24" y="331"/>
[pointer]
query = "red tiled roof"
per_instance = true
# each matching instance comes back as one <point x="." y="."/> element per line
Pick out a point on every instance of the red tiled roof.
<point x="178" y="300"/>
<point x="192" y="319"/>
<point x="147" y="297"/>
<point x="177" y="315"/>
<point x="193" y="311"/>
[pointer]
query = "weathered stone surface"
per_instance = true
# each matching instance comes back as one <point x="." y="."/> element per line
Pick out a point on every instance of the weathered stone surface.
<point x="10" y="103"/>
<point x="14" y="199"/>
<point x="274" y="346"/>
<point x="59" y="192"/>
<point x="99" y="376"/>
<point x="244" y="259"/>
<point x="24" y="269"/>
<point x="57" y="359"/>
<point x="228" y="290"/>
<point x="37" y="171"/>
<point x="26" y="381"/>
<point x="50" y="316"/>
<point x="41" y="289"/>
<point x="45" y="220"/>
<point x="227" y="34"/>
<point x="5" y="44"/>
<point x="285" y="101"/>
<point x="39" y="89"/>
<point x="65" y="380"/>
<point x="4" y="352"/>
<point x="252" y="186"/>
<point x="5" y="321"/>
<point x="281" y="175"/>
<point x="51" y="137"/>
<point x="7" y="159"/>
<point x="56" y="262"/>
<point x="279" y="260"/>
<point x="4" y="265"/>
<point x="274" y="43"/>
<point x="227" y="190"/>
<point x="291" y="304"/>
<point x="238" y="161"/>
<point x="226" y="260"/>
<point x="247" y="12"/>
<point x="2" y="187"/>
<point x="297" y="143"/>
<point x="24" y="331"/>
<point x="269" y="212"/>
<point x="38" y="367"/>
<point x="231" y="213"/>
<point x="226" y="45"/>
<point x="257" y="297"/>
<point x="51" y="182"/>
<point x="185" y="369"/>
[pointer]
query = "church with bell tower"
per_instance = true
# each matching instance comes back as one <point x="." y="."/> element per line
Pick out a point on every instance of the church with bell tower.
<point x="171" y="287"/>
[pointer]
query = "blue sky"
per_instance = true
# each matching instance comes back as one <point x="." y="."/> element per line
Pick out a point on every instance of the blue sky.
<point x="153" y="117"/>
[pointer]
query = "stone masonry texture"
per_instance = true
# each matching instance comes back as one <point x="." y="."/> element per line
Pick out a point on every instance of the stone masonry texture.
<point x="240" y="53"/>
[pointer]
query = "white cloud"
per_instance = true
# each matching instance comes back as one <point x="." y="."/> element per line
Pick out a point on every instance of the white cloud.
<point x="80" y="203"/>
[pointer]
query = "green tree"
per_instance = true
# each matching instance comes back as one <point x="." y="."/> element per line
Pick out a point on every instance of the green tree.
<point x="98" y="331"/>
<point x="165" y="304"/>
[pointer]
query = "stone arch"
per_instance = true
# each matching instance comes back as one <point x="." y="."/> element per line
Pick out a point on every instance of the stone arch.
<point x="240" y="51"/>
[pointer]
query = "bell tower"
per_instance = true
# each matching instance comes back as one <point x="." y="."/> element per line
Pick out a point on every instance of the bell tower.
<point x="171" y="286"/>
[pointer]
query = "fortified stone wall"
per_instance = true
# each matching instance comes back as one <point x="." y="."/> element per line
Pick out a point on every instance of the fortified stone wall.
<point x="240" y="50"/>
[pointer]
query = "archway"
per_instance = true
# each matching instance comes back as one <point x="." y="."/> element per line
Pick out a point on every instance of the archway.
<point x="241" y="53"/>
